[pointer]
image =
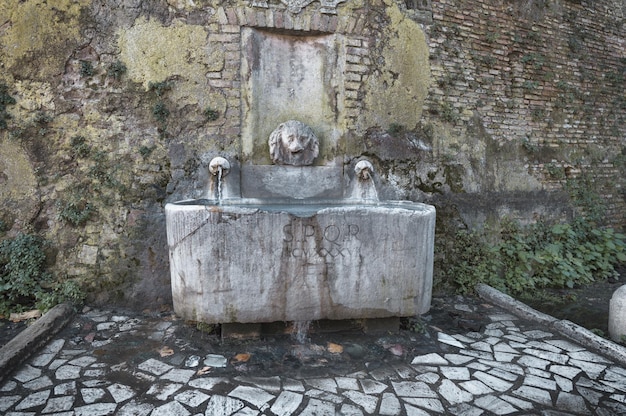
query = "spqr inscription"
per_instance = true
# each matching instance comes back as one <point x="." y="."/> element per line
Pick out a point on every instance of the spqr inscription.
<point x="308" y="241"/>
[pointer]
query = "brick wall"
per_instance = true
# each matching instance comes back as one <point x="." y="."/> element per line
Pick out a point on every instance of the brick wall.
<point x="550" y="75"/>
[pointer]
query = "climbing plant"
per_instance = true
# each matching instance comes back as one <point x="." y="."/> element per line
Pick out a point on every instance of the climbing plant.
<point x="516" y="258"/>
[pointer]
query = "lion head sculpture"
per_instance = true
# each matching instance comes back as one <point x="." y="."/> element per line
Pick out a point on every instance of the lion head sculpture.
<point x="293" y="143"/>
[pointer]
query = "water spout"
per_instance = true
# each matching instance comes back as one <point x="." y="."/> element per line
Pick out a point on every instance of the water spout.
<point x="219" y="168"/>
<point x="364" y="188"/>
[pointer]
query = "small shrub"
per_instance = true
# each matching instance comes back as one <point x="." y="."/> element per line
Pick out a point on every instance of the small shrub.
<point x="116" y="70"/>
<point x="5" y="99"/>
<point x="160" y="112"/>
<point x="24" y="281"/>
<point x="395" y="129"/>
<point x="86" y="69"/>
<point x="160" y="88"/>
<point x="211" y="114"/>
<point x="76" y="210"/>
<point x="79" y="146"/>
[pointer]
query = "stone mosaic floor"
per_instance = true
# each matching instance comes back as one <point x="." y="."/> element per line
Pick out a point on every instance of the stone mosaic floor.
<point x="108" y="363"/>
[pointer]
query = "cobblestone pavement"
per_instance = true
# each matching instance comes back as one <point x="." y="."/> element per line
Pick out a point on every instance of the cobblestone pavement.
<point x="107" y="362"/>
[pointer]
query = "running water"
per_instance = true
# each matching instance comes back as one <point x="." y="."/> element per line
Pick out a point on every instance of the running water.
<point x="300" y="331"/>
<point x="220" y="172"/>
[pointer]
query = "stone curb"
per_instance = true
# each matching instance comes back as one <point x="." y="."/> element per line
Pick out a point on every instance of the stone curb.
<point x="31" y="339"/>
<point x="567" y="328"/>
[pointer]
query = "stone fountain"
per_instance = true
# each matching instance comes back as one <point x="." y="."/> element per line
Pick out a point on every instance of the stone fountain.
<point x="253" y="259"/>
<point x="291" y="228"/>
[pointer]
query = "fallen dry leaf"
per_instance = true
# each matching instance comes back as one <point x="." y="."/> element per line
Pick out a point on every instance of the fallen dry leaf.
<point x="18" y="317"/>
<point x="241" y="358"/>
<point x="334" y="348"/>
<point x="166" y="351"/>
<point x="203" y="371"/>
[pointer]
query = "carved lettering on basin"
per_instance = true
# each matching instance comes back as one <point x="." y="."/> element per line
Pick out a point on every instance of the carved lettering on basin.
<point x="331" y="242"/>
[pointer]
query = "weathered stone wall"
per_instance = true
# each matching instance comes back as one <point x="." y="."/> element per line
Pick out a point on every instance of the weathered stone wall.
<point x="482" y="107"/>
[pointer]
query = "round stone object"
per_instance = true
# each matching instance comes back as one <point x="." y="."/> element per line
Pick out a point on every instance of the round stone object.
<point x="617" y="315"/>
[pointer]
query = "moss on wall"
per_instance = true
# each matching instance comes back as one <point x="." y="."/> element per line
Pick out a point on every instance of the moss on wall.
<point x="397" y="87"/>
<point x="37" y="36"/>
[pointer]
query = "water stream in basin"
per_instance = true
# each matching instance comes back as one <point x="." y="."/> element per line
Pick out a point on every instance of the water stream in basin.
<point x="219" y="184"/>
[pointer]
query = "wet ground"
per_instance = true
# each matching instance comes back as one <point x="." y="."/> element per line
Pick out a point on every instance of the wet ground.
<point x="465" y="357"/>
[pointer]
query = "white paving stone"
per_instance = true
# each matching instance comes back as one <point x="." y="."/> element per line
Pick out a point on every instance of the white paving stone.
<point x="449" y="340"/>
<point x="97" y="409"/>
<point x="502" y="317"/>
<point x="588" y="356"/>
<point x="495" y="383"/>
<point x="571" y="403"/>
<point x="286" y="403"/>
<point x="253" y="395"/>
<point x="465" y="409"/>
<point x="92" y="395"/>
<point x="326" y="384"/>
<point x="324" y="395"/>
<point x="8" y="401"/>
<point x="534" y="394"/>
<point x="33" y="400"/>
<point x="593" y="370"/>
<point x="372" y="386"/>
<point x="542" y="383"/>
<point x="367" y="402"/>
<point x="293" y="385"/>
<point x="163" y="391"/>
<point x="215" y="360"/>
<point x="538" y="334"/>
<point x="38" y="383"/>
<point x="271" y="384"/>
<point x="43" y="359"/>
<point x="453" y="394"/>
<point x="223" y="406"/>
<point x="63" y="389"/>
<point x="476" y="387"/>
<point x="84" y="361"/>
<point x="347" y="383"/>
<point x="458" y="359"/>
<point x="547" y="355"/>
<point x="120" y="392"/>
<point x="178" y="375"/>
<point x="8" y="386"/>
<point x="27" y="373"/>
<point x="429" y="359"/>
<point x="318" y="408"/>
<point x="413" y="389"/>
<point x="207" y="383"/>
<point x="134" y="408"/>
<point x="565" y="345"/>
<point x="564" y="384"/>
<point x="192" y="398"/>
<point x="414" y="411"/>
<point x="67" y="372"/>
<point x="155" y="367"/>
<point x="503" y="374"/>
<point x="504" y="357"/>
<point x="430" y="378"/>
<point x="482" y="346"/>
<point x="390" y="405"/>
<point x="504" y="347"/>
<point x="529" y="361"/>
<point x="519" y="403"/>
<point x="455" y="373"/>
<point x="350" y="410"/>
<point x="495" y="405"/>
<point x="170" y="409"/>
<point x="59" y="404"/>
<point x="53" y="347"/>
<point x="429" y="404"/>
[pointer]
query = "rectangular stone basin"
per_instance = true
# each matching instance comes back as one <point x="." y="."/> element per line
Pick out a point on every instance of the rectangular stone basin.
<point x="253" y="263"/>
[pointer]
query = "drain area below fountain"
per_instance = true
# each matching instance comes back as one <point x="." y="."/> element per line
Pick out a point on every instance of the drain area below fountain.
<point x="252" y="261"/>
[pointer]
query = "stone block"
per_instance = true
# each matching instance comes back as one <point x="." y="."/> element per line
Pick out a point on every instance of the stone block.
<point x="617" y="315"/>
<point x="265" y="263"/>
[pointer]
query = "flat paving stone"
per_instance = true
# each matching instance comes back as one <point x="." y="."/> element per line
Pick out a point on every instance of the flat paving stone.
<point x="510" y="366"/>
